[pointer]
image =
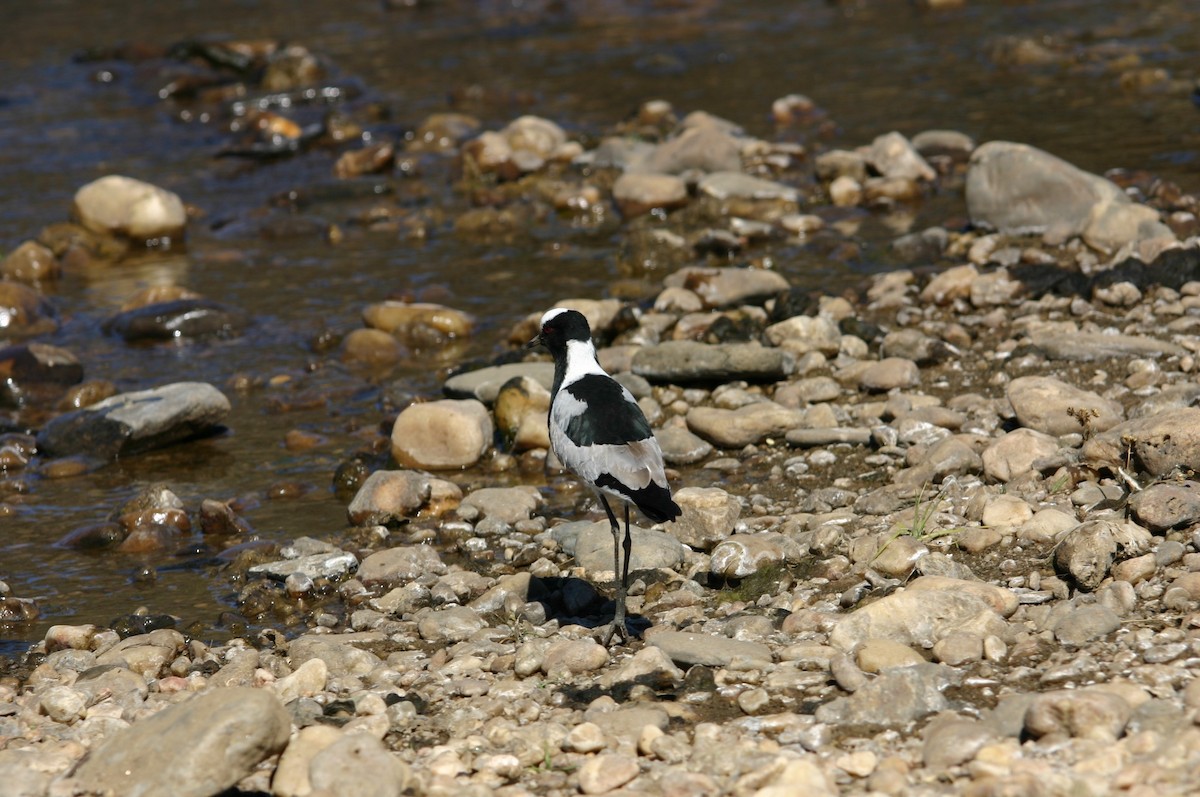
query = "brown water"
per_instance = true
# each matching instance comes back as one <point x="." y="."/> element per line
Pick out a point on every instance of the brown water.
<point x="872" y="66"/>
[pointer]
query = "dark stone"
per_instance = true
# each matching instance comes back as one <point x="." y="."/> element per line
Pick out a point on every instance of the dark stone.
<point x="36" y="372"/>
<point x="133" y="422"/>
<point x="182" y="318"/>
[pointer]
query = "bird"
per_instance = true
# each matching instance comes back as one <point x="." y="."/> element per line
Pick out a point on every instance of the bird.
<point x="599" y="433"/>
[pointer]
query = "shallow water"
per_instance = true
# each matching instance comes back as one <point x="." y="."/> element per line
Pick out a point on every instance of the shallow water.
<point x="870" y="66"/>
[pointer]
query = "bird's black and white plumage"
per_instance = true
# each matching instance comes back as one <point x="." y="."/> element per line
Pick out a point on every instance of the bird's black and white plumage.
<point x="599" y="432"/>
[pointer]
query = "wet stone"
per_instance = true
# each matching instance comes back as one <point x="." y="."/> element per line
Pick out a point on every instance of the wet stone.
<point x="328" y="562"/>
<point x="179" y="319"/>
<point x="36" y="373"/>
<point x="390" y="495"/>
<point x="119" y="205"/>
<point x="133" y="422"/>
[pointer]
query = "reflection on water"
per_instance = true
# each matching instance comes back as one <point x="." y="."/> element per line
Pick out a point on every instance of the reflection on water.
<point x="1075" y="77"/>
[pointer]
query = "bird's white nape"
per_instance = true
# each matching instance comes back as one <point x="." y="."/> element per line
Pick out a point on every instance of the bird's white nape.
<point x="581" y="361"/>
<point x="549" y="315"/>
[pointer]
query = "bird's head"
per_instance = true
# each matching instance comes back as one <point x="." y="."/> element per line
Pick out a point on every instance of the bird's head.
<point x="558" y="326"/>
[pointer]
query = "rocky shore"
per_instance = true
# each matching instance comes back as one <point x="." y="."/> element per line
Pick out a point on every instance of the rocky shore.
<point x="938" y="537"/>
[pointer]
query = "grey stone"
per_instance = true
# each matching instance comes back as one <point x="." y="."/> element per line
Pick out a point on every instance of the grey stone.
<point x="729" y="185"/>
<point x="1084" y="623"/>
<point x="681" y="447"/>
<point x="1167" y="505"/>
<point x="593" y="548"/>
<point x="683" y="361"/>
<point x="1159" y="444"/>
<point x="485" y="383"/>
<point x="129" y="423"/>
<point x="509" y="504"/>
<point x="396" y="566"/>
<point x="196" y="748"/>
<point x="686" y="648"/>
<point x="1019" y="189"/>
<point x="1090" y="346"/>
<point x="895" y="699"/>
<point x="728" y="286"/>
<point x="1087" y="551"/>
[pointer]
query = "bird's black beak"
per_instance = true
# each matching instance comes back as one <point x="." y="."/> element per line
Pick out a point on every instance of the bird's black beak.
<point x="533" y="344"/>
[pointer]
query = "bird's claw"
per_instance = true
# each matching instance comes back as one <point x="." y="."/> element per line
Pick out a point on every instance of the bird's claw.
<point x="615" y="628"/>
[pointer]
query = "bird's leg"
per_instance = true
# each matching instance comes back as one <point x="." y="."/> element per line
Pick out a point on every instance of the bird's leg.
<point x="618" y="624"/>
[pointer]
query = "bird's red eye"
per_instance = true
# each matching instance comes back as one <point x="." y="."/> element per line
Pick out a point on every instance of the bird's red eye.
<point x="546" y="329"/>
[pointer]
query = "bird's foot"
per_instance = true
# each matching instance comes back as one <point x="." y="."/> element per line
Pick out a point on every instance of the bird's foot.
<point x="615" y="628"/>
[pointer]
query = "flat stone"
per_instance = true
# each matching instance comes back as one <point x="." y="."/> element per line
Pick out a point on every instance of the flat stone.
<point x="683" y="361"/>
<point x="1091" y="346"/>
<point x="130" y="423"/>
<point x="484" y="383"/>
<point x="593" y="548"/>
<point x="751" y="423"/>
<point x="686" y="648"/>
<point x="396" y="566"/>
<point x="739" y="185"/>
<point x="728" y="286"/>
